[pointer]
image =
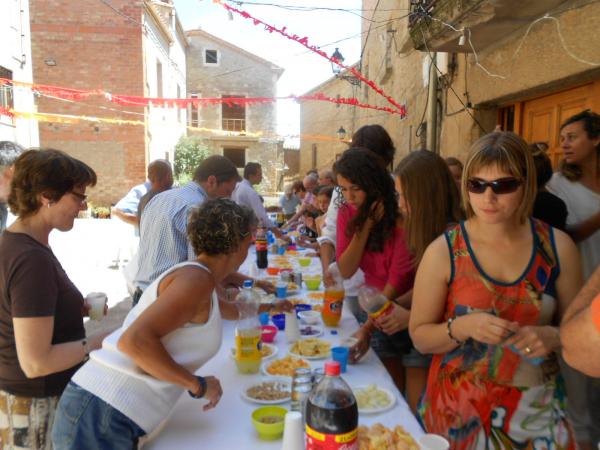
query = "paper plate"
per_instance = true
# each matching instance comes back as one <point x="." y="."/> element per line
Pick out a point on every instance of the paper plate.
<point x="376" y="410"/>
<point x="318" y="356"/>
<point x="266" y="365"/>
<point x="283" y="383"/>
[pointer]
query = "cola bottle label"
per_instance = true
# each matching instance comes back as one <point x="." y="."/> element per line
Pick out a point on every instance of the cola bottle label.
<point x="316" y="440"/>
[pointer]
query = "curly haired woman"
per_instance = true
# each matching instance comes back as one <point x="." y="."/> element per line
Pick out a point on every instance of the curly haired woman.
<point x="130" y="386"/>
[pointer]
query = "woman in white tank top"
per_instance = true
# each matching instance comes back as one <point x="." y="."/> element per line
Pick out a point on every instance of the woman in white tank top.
<point x="130" y="385"/>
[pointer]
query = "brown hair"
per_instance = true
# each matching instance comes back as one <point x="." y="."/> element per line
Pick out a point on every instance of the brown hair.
<point x="510" y="153"/>
<point x="432" y="195"/>
<point x="46" y="172"/>
<point x="219" y="226"/>
<point x="591" y="125"/>
<point x="543" y="165"/>
<point x="376" y="139"/>
<point x="452" y="161"/>
<point x="218" y="166"/>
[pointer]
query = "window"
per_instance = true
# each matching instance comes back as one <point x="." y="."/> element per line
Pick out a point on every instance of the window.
<point x="159" y="80"/>
<point x="6" y="91"/>
<point x="236" y="155"/>
<point x="211" y="57"/>
<point x="194" y="113"/>
<point x="233" y="115"/>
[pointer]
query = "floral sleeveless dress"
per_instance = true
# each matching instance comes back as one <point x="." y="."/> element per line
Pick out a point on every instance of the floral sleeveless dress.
<point x="476" y="395"/>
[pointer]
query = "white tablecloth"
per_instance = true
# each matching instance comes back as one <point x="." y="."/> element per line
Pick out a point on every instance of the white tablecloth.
<point x="229" y="425"/>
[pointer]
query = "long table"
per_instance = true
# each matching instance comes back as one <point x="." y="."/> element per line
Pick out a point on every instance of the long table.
<point x="229" y="425"/>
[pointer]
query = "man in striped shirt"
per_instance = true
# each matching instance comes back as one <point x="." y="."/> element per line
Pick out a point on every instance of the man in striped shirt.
<point x="163" y="235"/>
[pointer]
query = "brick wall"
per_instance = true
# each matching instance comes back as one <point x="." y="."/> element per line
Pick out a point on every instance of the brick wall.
<point x="94" y="48"/>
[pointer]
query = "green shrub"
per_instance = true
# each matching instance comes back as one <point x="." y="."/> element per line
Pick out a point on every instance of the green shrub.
<point x="190" y="151"/>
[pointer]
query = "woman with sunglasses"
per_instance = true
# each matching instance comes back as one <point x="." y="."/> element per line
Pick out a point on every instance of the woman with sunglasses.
<point x="42" y="339"/>
<point x="129" y="387"/>
<point x="488" y="297"/>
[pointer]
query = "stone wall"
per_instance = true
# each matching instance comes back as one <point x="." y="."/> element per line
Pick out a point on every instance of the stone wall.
<point x="239" y="73"/>
<point x="540" y="67"/>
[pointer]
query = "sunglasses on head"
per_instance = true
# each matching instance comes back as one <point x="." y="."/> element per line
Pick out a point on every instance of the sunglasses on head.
<point x="499" y="186"/>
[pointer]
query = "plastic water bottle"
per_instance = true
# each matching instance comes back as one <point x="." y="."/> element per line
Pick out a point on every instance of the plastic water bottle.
<point x="373" y="302"/>
<point x="248" y="332"/>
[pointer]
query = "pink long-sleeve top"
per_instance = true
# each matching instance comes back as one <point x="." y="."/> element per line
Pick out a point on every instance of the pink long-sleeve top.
<point x="393" y="265"/>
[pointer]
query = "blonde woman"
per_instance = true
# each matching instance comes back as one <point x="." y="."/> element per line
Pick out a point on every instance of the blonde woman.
<point x="488" y="297"/>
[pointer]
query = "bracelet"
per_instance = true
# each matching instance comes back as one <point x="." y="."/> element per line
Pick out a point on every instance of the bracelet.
<point x="449" y="330"/>
<point x="202" y="391"/>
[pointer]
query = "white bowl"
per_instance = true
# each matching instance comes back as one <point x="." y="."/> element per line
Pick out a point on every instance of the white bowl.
<point x="310" y="317"/>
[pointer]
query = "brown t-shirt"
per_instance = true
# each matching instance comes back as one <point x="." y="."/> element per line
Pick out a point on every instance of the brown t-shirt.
<point x="33" y="284"/>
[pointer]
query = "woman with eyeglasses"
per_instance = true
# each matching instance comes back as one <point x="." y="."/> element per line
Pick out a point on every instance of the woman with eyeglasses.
<point x="488" y="298"/>
<point x="42" y="339"/>
<point x="129" y="387"/>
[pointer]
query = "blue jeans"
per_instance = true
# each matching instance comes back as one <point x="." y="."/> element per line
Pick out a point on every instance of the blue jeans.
<point x="84" y="421"/>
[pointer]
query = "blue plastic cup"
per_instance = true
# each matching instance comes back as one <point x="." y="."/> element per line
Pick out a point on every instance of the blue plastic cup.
<point x="281" y="250"/>
<point x="281" y="289"/>
<point x="263" y="318"/>
<point x="340" y="354"/>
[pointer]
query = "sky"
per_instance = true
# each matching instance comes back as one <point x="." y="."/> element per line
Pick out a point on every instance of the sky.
<point x="303" y="69"/>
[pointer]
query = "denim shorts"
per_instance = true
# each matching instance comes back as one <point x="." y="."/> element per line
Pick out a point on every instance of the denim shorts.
<point x="390" y="346"/>
<point x="84" y="421"/>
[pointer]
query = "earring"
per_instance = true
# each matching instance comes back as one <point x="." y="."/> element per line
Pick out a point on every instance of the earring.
<point x="49" y="203"/>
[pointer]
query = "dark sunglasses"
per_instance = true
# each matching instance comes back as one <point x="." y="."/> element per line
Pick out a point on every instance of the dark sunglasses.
<point x="500" y="186"/>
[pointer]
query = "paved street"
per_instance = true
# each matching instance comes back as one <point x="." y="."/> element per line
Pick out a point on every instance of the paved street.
<point x="93" y="254"/>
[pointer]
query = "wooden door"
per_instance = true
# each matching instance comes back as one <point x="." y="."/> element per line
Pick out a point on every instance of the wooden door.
<point x="541" y="117"/>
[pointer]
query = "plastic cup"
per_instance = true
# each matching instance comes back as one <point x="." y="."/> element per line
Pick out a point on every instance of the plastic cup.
<point x="96" y="302"/>
<point x="340" y="354"/>
<point x="281" y="289"/>
<point x="281" y="250"/>
<point x="433" y="442"/>
<point x="293" y="431"/>
<point x="263" y="318"/>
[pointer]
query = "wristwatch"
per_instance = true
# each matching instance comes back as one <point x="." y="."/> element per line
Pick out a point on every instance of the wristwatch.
<point x="202" y="391"/>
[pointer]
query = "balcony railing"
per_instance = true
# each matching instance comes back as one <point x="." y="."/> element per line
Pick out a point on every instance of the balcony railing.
<point x="233" y="124"/>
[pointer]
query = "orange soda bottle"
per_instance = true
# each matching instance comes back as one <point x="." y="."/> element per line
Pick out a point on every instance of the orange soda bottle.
<point x="334" y="299"/>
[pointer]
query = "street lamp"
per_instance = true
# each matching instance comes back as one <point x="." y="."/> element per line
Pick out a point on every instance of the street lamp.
<point x="336" y="69"/>
<point x="341" y="133"/>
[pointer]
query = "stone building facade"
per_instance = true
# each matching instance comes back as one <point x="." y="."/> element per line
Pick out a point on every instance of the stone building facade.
<point x="128" y="47"/>
<point x="217" y="69"/>
<point x="521" y="77"/>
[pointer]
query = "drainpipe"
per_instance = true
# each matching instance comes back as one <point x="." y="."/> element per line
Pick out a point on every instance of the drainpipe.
<point x="432" y="105"/>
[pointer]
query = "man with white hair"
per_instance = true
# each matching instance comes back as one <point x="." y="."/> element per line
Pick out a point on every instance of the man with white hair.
<point x="310" y="182"/>
<point x="9" y="152"/>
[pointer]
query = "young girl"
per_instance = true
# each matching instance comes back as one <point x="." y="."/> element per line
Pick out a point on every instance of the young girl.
<point x="488" y="297"/>
<point x="429" y="201"/>
<point x="370" y="237"/>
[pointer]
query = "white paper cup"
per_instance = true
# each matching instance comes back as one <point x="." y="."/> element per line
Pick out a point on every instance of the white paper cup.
<point x="96" y="302"/>
<point x="293" y="431"/>
<point x="433" y="442"/>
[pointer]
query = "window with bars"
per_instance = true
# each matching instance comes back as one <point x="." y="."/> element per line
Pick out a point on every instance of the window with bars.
<point x="194" y="113"/>
<point x="233" y="115"/>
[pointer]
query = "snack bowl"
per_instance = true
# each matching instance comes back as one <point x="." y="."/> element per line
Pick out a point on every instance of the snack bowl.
<point x="304" y="261"/>
<point x="268" y="422"/>
<point x="310" y="317"/>
<point x="299" y="307"/>
<point x="268" y="333"/>
<point x="273" y="270"/>
<point x="279" y="321"/>
<point x="313" y="282"/>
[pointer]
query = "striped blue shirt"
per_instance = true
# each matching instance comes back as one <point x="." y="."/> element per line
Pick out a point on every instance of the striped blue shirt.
<point x="163" y="235"/>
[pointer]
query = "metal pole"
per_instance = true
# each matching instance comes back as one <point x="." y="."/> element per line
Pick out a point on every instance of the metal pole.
<point x="432" y="105"/>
